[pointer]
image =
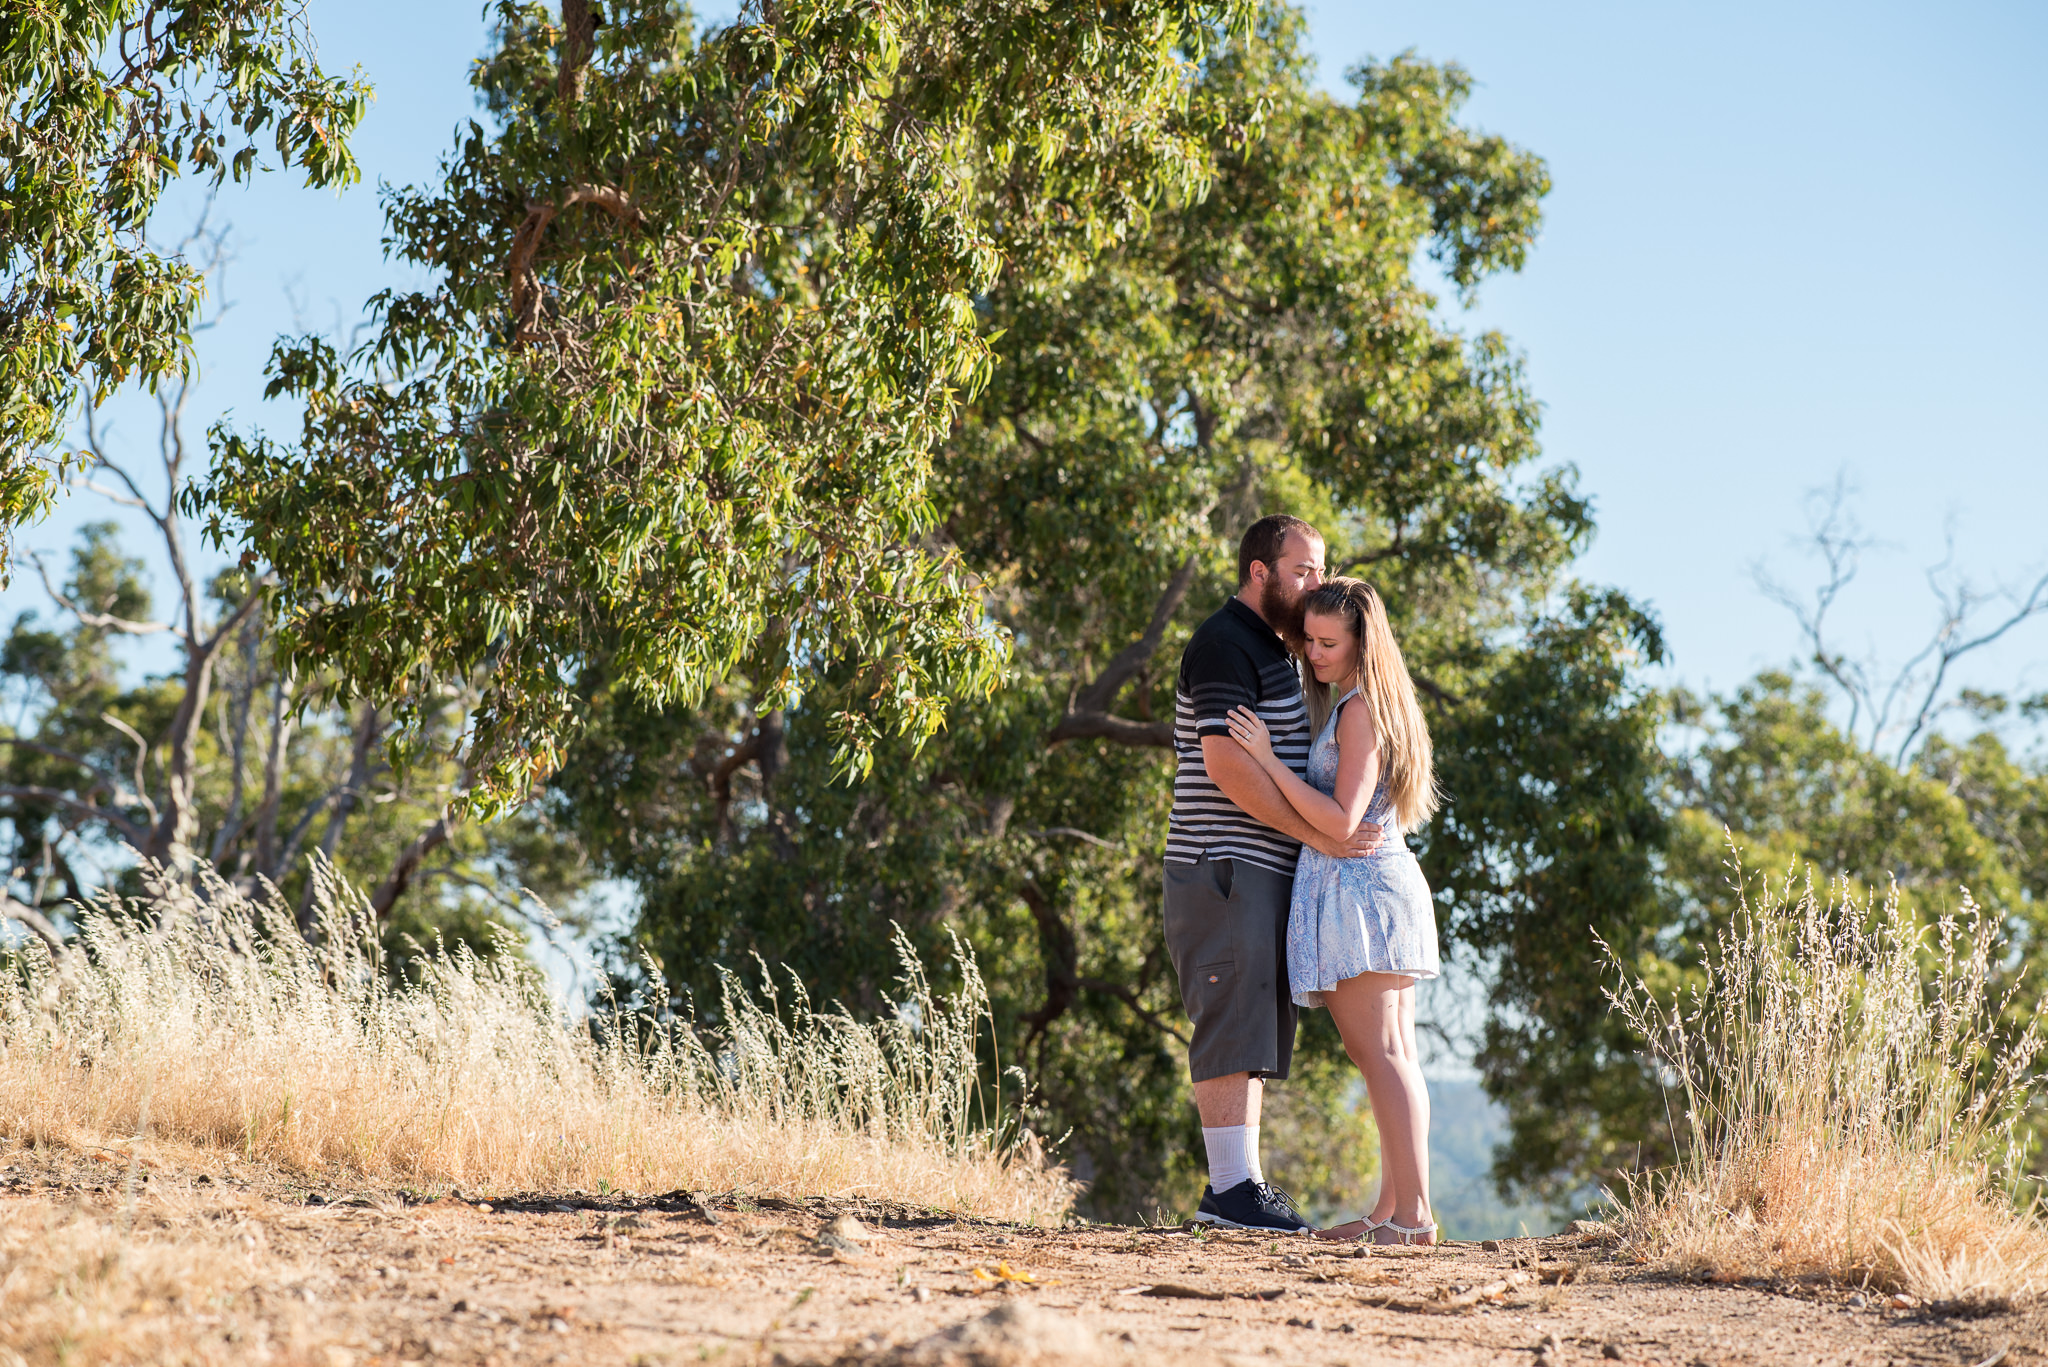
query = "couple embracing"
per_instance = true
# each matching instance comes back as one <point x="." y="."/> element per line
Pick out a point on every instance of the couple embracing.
<point x="1288" y="881"/>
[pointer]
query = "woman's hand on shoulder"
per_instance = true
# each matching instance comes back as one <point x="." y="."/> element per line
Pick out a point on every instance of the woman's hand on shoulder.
<point x="1248" y="729"/>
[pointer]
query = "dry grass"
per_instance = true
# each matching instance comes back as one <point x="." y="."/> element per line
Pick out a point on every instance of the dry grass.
<point x="207" y="1019"/>
<point x="1853" y="1087"/>
<point x="78" y="1286"/>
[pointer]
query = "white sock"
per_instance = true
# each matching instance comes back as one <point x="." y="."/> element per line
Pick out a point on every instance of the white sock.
<point x="1230" y="1161"/>
<point x="1251" y="1153"/>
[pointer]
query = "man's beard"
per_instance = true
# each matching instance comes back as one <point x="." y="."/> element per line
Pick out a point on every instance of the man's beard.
<point x="1287" y="616"/>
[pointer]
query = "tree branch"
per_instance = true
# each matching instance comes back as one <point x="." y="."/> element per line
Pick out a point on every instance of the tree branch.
<point x="1076" y="834"/>
<point x="579" y="37"/>
<point x="408" y="865"/>
<point x="28" y="792"/>
<point x="98" y="621"/>
<point x="1129" y="998"/>
<point x="54" y="753"/>
<point x="1104" y="726"/>
<point x="13" y="909"/>
<point x="1098" y="696"/>
<point x="1062" y="957"/>
<point x="721" y="781"/>
<point x="2035" y="603"/>
<point x="1437" y="691"/>
<point x="1089" y="715"/>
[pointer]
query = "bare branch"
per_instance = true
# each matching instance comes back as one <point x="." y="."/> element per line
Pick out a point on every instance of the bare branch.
<point x="98" y="621"/>
<point x="142" y="798"/>
<point x="1958" y="609"/>
<point x="1840" y="542"/>
<point x="14" y="909"/>
<point x="1874" y="708"/>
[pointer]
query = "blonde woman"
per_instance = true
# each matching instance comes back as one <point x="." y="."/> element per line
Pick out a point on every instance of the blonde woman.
<point x="1361" y="931"/>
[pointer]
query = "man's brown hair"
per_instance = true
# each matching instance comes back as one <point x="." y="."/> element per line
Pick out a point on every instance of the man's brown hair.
<point x="1263" y="540"/>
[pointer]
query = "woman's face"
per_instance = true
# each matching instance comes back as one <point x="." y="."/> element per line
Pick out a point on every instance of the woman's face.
<point x="1332" y="649"/>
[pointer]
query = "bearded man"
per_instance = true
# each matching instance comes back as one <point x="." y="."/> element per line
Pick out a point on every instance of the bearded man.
<point x="1231" y="846"/>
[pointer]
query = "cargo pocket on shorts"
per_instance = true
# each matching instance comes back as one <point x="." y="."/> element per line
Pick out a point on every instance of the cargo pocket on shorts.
<point x="1209" y="994"/>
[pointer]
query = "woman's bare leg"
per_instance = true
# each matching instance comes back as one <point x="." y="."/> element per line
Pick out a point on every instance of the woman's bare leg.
<point x="1375" y="1013"/>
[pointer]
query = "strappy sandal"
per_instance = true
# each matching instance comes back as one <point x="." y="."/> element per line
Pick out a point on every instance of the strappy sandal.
<point x="1407" y="1235"/>
<point x="1372" y="1227"/>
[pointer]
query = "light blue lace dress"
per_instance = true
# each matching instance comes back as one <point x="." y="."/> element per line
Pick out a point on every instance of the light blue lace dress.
<point x="1353" y="916"/>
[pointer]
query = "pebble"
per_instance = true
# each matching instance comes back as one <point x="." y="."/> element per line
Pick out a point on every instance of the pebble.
<point x="921" y="1294"/>
<point x="1856" y="1301"/>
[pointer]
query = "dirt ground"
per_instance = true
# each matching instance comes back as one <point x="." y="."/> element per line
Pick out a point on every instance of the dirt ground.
<point x="264" y="1269"/>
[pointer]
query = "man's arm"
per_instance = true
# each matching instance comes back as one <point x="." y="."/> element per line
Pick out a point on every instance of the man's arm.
<point x="1241" y="780"/>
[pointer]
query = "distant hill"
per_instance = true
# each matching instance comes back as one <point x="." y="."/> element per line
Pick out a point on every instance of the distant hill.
<point x="1464" y="1127"/>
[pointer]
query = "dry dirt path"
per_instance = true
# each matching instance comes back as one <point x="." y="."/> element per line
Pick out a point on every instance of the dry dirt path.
<point x="224" y="1263"/>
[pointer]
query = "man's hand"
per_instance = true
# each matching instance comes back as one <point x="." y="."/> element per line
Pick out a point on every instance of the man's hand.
<point x="1360" y="842"/>
<point x="1232" y="769"/>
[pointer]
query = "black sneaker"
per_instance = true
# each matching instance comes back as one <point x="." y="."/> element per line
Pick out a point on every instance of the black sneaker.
<point x="1251" y="1205"/>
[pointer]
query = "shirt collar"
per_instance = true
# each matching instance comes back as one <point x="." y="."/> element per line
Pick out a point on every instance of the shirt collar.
<point x="1252" y="619"/>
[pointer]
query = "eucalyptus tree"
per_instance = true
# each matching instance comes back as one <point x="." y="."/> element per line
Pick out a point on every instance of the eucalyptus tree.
<point x="230" y="756"/>
<point x="102" y="104"/>
<point x="700" y="311"/>
<point x="1263" y="346"/>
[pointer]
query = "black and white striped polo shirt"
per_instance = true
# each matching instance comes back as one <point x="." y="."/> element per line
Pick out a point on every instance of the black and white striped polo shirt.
<point x="1234" y="659"/>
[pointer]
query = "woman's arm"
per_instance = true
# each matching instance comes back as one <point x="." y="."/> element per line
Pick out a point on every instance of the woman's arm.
<point x="1358" y="764"/>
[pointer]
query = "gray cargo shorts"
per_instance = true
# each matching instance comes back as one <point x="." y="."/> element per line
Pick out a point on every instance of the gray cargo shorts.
<point x="1226" y="931"/>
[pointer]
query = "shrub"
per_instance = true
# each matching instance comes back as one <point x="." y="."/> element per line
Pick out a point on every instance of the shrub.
<point x="1853" y="1089"/>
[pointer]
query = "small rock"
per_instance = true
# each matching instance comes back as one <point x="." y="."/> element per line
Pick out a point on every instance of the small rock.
<point x="1294" y="1260"/>
<point x="853" y="1231"/>
<point x="1014" y="1334"/>
<point x="1856" y="1301"/>
<point x="558" y="1325"/>
<point x="1347" y="1328"/>
<point x="458" y="1307"/>
<point x="920" y="1294"/>
<point x="1902" y="1301"/>
<point x="1549" y="1343"/>
<point x="1611" y="1351"/>
<point x="828" y="1242"/>
<point x="1489" y="1245"/>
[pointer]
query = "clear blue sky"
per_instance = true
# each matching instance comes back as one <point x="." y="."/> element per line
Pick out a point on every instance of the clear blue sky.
<point x="1786" y="241"/>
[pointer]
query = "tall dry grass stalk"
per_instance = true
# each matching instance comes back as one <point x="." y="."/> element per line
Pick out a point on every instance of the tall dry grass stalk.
<point x="207" y="1018"/>
<point x="1853" y="1087"/>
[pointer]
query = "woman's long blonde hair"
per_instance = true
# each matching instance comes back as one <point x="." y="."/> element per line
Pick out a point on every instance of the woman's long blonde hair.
<point x="1406" y="756"/>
